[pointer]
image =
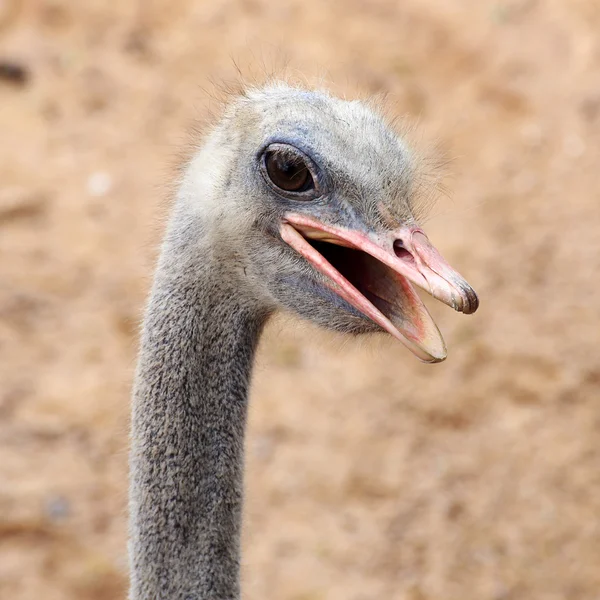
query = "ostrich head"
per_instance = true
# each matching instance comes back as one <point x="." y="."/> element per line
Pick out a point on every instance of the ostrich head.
<point x="304" y="200"/>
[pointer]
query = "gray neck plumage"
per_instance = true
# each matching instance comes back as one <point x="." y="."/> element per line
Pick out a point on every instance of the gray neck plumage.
<point x="189" y="416"/>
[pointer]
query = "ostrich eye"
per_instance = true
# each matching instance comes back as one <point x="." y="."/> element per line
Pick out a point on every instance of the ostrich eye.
<point x="288" y="171"/>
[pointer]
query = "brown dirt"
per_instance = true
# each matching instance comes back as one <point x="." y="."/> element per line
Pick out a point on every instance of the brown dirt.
<point x="369" y="475"/>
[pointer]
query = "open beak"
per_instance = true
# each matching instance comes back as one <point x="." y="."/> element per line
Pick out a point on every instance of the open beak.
<point x="377" y="277"/>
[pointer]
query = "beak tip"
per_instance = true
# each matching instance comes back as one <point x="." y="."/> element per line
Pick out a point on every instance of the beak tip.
<point x="435" y="359"/>
<point x="430" y="354"/>
<point x="467" y="301"/>
<point x="472" y="301"/>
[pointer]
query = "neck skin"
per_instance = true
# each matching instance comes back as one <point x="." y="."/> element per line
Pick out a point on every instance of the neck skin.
<point x="189" y="417"/>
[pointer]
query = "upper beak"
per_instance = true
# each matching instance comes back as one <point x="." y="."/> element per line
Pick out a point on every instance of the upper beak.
<point x="411" y="258"/>
<point x="427" y="268"/>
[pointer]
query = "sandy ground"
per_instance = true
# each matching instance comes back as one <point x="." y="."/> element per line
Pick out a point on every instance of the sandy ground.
<point x="369" y="475"/>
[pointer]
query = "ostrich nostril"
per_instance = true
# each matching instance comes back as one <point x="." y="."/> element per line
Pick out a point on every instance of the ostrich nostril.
<point x="402" y="252"/>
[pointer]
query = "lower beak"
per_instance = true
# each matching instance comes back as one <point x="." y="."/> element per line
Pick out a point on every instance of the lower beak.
<point x="384" y="292"/>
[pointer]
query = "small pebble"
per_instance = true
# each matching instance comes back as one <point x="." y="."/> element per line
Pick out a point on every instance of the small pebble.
<point x="99" y="184"/>
<point x="13" y="73"/>
<point x="264" y="446"/>
<point x="57" y="508"/>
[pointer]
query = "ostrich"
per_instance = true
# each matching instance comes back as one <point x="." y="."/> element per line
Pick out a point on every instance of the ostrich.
<point x="298" y="201"/>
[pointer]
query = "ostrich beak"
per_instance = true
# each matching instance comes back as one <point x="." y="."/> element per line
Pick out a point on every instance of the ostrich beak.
<point x="376" y="276"/>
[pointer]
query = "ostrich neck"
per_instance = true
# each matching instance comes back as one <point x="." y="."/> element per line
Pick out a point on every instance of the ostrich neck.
<point x="189" y="416"/>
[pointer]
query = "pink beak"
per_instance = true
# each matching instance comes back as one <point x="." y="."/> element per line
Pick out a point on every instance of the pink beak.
<point x="406" y="257"/>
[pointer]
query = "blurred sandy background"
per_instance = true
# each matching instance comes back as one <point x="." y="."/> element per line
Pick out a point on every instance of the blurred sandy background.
<point x="369" y="475"/>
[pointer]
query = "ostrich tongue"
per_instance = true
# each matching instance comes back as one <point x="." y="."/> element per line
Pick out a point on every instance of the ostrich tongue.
<point x="379" y="282"/>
